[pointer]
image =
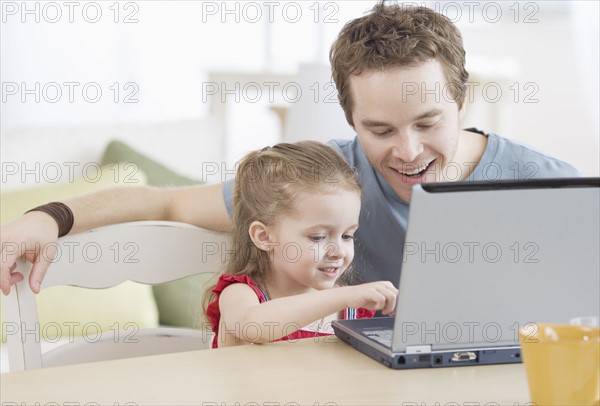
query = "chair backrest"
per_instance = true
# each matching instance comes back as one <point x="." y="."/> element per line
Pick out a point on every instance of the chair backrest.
<point x="151" y="252"/>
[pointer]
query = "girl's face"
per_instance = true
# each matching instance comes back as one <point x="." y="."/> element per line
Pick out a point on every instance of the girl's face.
<point x="312" y="247"/>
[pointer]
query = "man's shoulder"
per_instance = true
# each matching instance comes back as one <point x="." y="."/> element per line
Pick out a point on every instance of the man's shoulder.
<point x="523" y="161"/>
<point x="344" y="145"/>
<point x="348" y="148"/>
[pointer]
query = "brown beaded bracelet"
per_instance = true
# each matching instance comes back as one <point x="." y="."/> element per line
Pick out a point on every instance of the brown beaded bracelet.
<point x="61" y="213"/>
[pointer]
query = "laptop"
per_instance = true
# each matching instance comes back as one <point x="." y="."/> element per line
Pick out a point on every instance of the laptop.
<point x="482" y="260"/>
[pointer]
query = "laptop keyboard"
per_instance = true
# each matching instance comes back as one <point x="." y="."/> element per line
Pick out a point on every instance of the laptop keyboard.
<point x="383" y="336"/>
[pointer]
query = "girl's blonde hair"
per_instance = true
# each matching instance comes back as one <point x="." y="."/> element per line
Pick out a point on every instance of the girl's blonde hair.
<point x="267" y="182"/>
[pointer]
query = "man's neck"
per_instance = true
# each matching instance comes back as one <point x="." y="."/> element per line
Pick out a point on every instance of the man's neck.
<point x="471" y="146"/>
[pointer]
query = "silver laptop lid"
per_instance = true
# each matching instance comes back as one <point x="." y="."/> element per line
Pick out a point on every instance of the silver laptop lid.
<point x="481" y="260"/>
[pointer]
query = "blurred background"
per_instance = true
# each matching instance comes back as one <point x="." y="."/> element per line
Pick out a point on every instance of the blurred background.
<point x="196" y="84"/>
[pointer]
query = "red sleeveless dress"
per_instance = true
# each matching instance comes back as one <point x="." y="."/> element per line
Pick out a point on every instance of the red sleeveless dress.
<point x="214" y="315"/>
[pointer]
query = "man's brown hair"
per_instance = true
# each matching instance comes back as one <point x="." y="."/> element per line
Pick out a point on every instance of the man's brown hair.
<point x="392" y="36"/>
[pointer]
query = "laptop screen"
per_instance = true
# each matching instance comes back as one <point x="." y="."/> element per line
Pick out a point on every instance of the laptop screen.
<point x="483" y="259"/>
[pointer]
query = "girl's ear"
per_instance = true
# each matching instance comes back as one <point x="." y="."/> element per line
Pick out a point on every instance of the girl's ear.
<point x="462" y="112"/>
<point x="260" y="236"/>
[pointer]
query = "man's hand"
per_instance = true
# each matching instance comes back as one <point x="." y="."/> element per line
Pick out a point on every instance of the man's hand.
<point x="32" y="236"/>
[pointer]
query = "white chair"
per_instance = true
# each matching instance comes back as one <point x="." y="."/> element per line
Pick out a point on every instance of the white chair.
<point x="164" y="251"/>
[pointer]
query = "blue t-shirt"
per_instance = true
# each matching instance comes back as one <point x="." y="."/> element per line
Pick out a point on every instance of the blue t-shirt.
<point x="384" y="216"/>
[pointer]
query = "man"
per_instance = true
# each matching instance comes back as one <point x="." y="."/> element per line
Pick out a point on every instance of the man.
<point x="401" y="79"/>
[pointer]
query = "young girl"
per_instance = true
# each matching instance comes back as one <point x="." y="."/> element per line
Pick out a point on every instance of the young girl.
<point x="295" y="212"/>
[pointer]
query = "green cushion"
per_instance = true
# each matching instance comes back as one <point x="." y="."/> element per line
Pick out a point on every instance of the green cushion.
<point x="179" y="302"/>
<point x="157" y="174"/>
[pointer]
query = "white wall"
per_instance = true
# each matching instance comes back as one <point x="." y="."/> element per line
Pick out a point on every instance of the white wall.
<point x="163" y="56"/>
<point x="553" y="95"/>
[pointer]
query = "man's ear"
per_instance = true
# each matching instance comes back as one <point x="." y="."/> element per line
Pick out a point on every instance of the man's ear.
<point x="260" y="235"/>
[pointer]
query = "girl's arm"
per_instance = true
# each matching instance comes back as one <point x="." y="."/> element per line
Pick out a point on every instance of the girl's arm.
<point x="245" y="320"/>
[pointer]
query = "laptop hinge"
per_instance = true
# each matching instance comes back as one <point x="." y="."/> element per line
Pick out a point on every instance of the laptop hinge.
<point x="418" y="349"/>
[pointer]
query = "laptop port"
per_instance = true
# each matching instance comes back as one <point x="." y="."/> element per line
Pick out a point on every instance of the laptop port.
<point x="463" y="356"/>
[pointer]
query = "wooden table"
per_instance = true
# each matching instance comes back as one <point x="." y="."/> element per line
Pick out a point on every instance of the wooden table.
<point x="305" y="372"/>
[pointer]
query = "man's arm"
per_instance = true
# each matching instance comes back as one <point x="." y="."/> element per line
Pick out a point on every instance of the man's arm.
<point x="202" y="206"/>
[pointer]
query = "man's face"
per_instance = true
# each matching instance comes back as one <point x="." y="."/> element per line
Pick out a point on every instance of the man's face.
<point x="407" y="123"/>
